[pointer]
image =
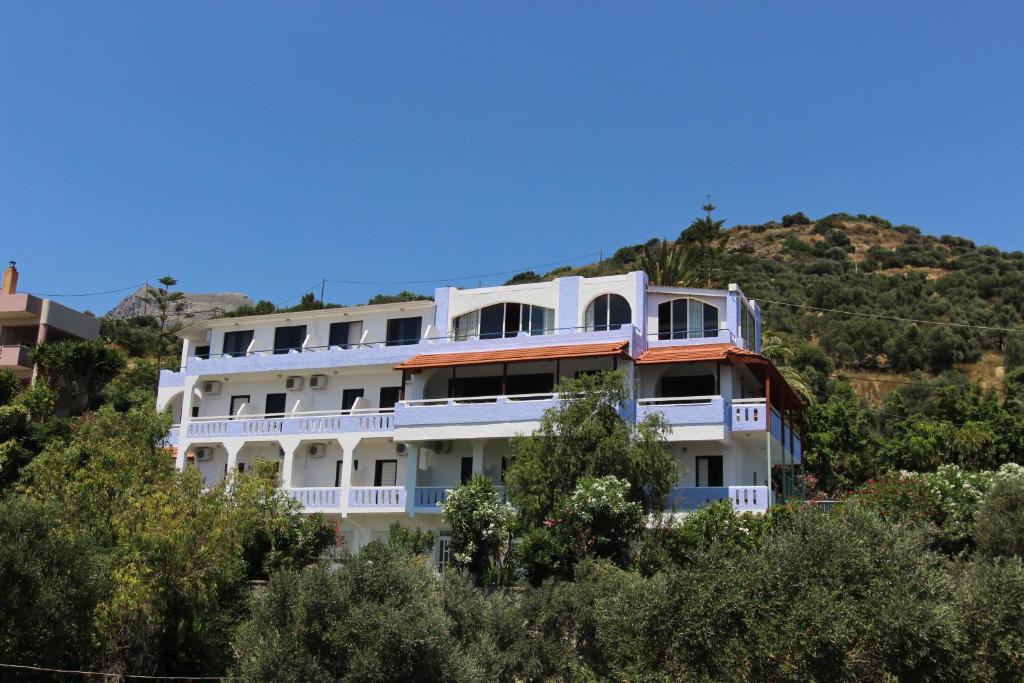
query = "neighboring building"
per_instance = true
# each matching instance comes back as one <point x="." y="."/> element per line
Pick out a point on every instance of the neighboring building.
<point x="26" y="321"/>
<point x="375" y="412"/>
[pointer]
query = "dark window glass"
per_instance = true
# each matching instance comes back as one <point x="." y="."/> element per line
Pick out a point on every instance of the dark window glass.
<point x="389" y="396"/>
<point x="709" y="470"/>
<point x="466" y="470"/>
<point x="492" y="321"/>
<point x="289" y="338"/>
<point x="512" y="314"/>
<point x="538" y="319"/>
<point x="385" y="473"/>
<point x="195" y="411"/>
<point x="699" y="385"/>
<point x="202" y="351"/>
<point x="337" y="472"/>
<point x="710" y="321"/>
<point x="348" y="398"/>
<point x="475" y="386"/>
<point x="679" y="319"/>
<point x="338" y="335"/>
<point x="619" y="313"/>
<point x="275" y="405"/>
<point x="403" y="331"/>
<point x="530" y="384"/>
<point x="237" y="343"/>
<point x="665" y="320"/>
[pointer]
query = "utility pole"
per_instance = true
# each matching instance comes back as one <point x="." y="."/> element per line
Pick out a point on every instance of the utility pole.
<point x="323" y="282"/>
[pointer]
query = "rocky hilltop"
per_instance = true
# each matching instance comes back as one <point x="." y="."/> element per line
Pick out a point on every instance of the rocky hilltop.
<point x="200" y="305"/>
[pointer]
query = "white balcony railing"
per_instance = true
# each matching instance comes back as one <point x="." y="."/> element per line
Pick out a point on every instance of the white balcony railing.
<point x="313" y="422"/>
<point x="317" y="499"/>
<point x="376" y="498"/>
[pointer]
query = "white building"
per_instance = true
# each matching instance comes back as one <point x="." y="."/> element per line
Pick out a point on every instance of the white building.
<point x="375" y="412"/>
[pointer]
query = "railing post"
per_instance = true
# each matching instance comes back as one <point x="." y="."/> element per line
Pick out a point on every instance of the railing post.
<point x="412" y="455"/>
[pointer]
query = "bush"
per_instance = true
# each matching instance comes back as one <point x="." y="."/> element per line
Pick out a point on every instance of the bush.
<point x="988" y="608"/>
<point x="797" y="218"/>
<point x="597" y="520"/>
<point x="999" y="524"/>
<point x="481" y="528"/>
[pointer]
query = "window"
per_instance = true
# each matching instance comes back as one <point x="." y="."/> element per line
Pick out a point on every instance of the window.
<point x="504" y="320"/>
<point x="607" y="312"/>
<point x="444" y="552"/>
<point x="338" y="465"/>
<point x="474" y="386"/>
<point x="402" y="331"/>
<point x="275" y="405"/>
<point x="709" y="470"/>
<point x="385" y="473"/>
<point x="289" y="338"/>
<point x="687" y="319"/>
<point x="466" y="470"/>
<point x="530" y="384"/>
<point x="697" y="385"/>
<point x="389" y="396"/>
<point x="237" y="343"/>
<point x="348" y="398"/>
<point x="748" y="329"/>
<point x="345" y="334"/>
<point x="504" y="468"/>
<point x="203" y="352"/>
<point x="236" y="404"/>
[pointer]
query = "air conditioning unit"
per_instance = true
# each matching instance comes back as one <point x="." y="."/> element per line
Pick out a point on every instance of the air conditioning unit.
<point x="316" y="450"/>
<point x="203" y="454"/>
<point x="293" y="384"/>
<point x="401" y="448"/>
<point x="211" y="388"/>
<point x="441" y="446"/>
<point x="318" y="382"/>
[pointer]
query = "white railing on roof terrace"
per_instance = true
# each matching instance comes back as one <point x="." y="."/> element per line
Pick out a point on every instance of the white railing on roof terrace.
<point x="312" y="422"/>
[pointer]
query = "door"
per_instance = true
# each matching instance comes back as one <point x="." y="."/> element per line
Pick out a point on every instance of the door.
<point x="236" y="403"/>
<point x="348" y="398"/>
<point x="389" y="396"/>
<point x="403" y="331"/>
<point x="385" y="473"/>
<point x="275" y="405"/>
<point x="237" y="343"/>
<point x="466" y="472"/>
<point x="289" y="338"/>
<point x="709" y="470"/>
<point x="337" y="473"/>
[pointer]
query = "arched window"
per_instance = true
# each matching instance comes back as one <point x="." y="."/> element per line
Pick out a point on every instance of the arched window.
<point x="687" y="319"/>
<point x="504" y="320"/>
<point x="607" y="312"/>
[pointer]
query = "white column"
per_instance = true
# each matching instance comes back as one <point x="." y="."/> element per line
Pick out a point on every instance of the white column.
<point x="348" y="453"/>
<point x="291" y="448"/>
<point x="183" y="446"/>
<point x="478" y="456"/>
<point x="186" y="404"/>
<point x="233" y="447"/>
<point x="412" y="456"/>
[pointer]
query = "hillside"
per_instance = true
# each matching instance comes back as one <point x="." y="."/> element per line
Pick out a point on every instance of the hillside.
<point x="863" y="264"/>
<point x="200" y="305"/>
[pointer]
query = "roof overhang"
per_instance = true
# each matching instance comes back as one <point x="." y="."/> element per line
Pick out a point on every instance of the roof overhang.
<point x="521" y="355"/>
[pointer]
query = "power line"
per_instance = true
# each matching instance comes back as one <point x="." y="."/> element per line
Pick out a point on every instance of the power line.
<point x="109" y="291"/>
<point x="895" y="318"/>
<point x="464" y="277"/>
<point x="26" y="667"/>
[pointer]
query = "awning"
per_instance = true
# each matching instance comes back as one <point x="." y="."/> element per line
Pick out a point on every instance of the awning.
<point x="725" y="353"/>
<point x="520" y="355"/>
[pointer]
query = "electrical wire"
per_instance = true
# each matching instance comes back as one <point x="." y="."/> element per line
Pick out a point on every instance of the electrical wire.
<point x="26" y="667"/>
<point x="109" y="291"/>
<point x="895" y="318"/>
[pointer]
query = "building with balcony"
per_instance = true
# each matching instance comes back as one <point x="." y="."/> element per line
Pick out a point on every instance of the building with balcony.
<point x="374" y="413"/>
<point x="27" y="320"/>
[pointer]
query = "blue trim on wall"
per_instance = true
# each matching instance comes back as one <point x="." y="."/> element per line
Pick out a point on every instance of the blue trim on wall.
<point x="640" y="317"/>
<point x="732" y="315"/>
<point x="442" y="304"/>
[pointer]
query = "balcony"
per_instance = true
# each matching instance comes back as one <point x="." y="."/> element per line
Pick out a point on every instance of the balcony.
<point x="690" y="418"/>
<point x="16" y="357"/>
<point x="485" y="416"/>
<point x="308" y="358"/>
<point x="361" y="499"/>
<point x="743" y="498"/>
<point x="749" y="415"/>
<point x="301" y="424"/>
<point x="429" y="498"/>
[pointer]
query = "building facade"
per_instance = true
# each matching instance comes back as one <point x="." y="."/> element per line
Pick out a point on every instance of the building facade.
<point x="374" y="413"/>
<point x="27" y="321"/>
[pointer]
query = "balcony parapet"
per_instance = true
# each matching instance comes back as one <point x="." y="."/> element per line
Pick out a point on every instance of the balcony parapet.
<point x="430" y="498"/>
<point x="722" y="336"/>
<point x="685" y="410"/>
<point x="743" y="498"/>
<point x="472" y="410"/>
<point x="15" y="356"/>
<point x="312" y="424"/>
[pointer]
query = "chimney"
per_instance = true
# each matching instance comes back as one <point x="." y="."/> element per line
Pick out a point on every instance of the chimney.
<point x="10" y="280"/>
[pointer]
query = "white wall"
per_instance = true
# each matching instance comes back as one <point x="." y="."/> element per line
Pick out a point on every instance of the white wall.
<point x="623" y="285"/>
<point x="537" y="294"/>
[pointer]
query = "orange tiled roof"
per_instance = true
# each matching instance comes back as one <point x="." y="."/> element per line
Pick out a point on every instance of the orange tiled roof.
<point x="696" y="354"/>
<point x="521" y="355"/>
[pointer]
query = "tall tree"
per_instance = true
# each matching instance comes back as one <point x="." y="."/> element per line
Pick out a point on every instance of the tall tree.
<point x="706" y="241"/>
<point x="78" y="370"/>
<point x="169" y="305"/>
<point x="669" y="264"/>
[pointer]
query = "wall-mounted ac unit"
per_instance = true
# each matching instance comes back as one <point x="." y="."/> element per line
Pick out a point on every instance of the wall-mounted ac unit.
<point x="316" y="450"/>
<point x="441" y="446"/>
<point x="293" y="384"/>
<point x="401" y="448"/>
<point x="211" y="388"/>
<point x="318" y="382"/>
<point x="203" y="453"/>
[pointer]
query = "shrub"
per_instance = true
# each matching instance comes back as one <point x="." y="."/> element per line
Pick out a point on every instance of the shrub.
<point x="597" y="520"/>
<point x="999" y="525"/>
<point x="481" y="527"/>
<point x="797" y="218"/>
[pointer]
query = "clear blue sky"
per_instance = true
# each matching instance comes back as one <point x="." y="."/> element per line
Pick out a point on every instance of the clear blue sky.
<point x="259" y="147"/>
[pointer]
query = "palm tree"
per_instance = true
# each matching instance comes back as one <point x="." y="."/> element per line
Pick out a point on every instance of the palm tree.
<point x="775" y="349"/>
<point x="669" y="264"/>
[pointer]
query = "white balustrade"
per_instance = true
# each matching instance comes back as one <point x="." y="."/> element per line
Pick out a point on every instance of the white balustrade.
<point x="376" y="497"/>
<point x="748" y="415"/>
<point x="208" y="428"/>
<point x="317" y="498"/>
<point x="749" y="498"/>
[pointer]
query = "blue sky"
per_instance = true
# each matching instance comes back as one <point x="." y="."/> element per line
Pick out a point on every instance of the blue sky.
<point x="259" y="147"/>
